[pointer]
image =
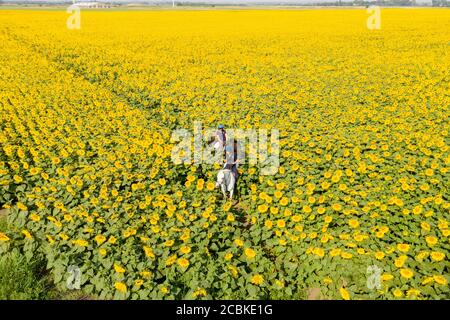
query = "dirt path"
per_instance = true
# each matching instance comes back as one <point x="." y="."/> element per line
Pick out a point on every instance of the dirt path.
<point x="3" y="213"/>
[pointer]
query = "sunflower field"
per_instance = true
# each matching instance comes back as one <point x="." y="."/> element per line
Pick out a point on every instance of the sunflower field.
<point x="86" y="174"/>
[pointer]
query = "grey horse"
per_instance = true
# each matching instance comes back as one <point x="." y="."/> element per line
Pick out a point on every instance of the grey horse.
<point x="226" y="181"/>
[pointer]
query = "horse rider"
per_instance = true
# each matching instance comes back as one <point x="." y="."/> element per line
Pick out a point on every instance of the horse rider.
<point x="220" y="138"/>
<point x="231" y="159"/>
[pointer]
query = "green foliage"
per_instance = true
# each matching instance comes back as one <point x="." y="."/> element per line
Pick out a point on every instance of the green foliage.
<point x="20" y="279"/>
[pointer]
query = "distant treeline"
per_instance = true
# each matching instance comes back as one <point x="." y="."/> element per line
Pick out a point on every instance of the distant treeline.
<point x="434" y="3"/>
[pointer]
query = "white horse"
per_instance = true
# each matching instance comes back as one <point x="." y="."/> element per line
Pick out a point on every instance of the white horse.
<point x="226" y="181"/>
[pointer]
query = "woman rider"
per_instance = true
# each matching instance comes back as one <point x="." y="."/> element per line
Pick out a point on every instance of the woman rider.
<point x="231" y="159"/>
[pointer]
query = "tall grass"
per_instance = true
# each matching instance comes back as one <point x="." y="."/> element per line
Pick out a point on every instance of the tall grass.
<point x="21" y="279"/>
